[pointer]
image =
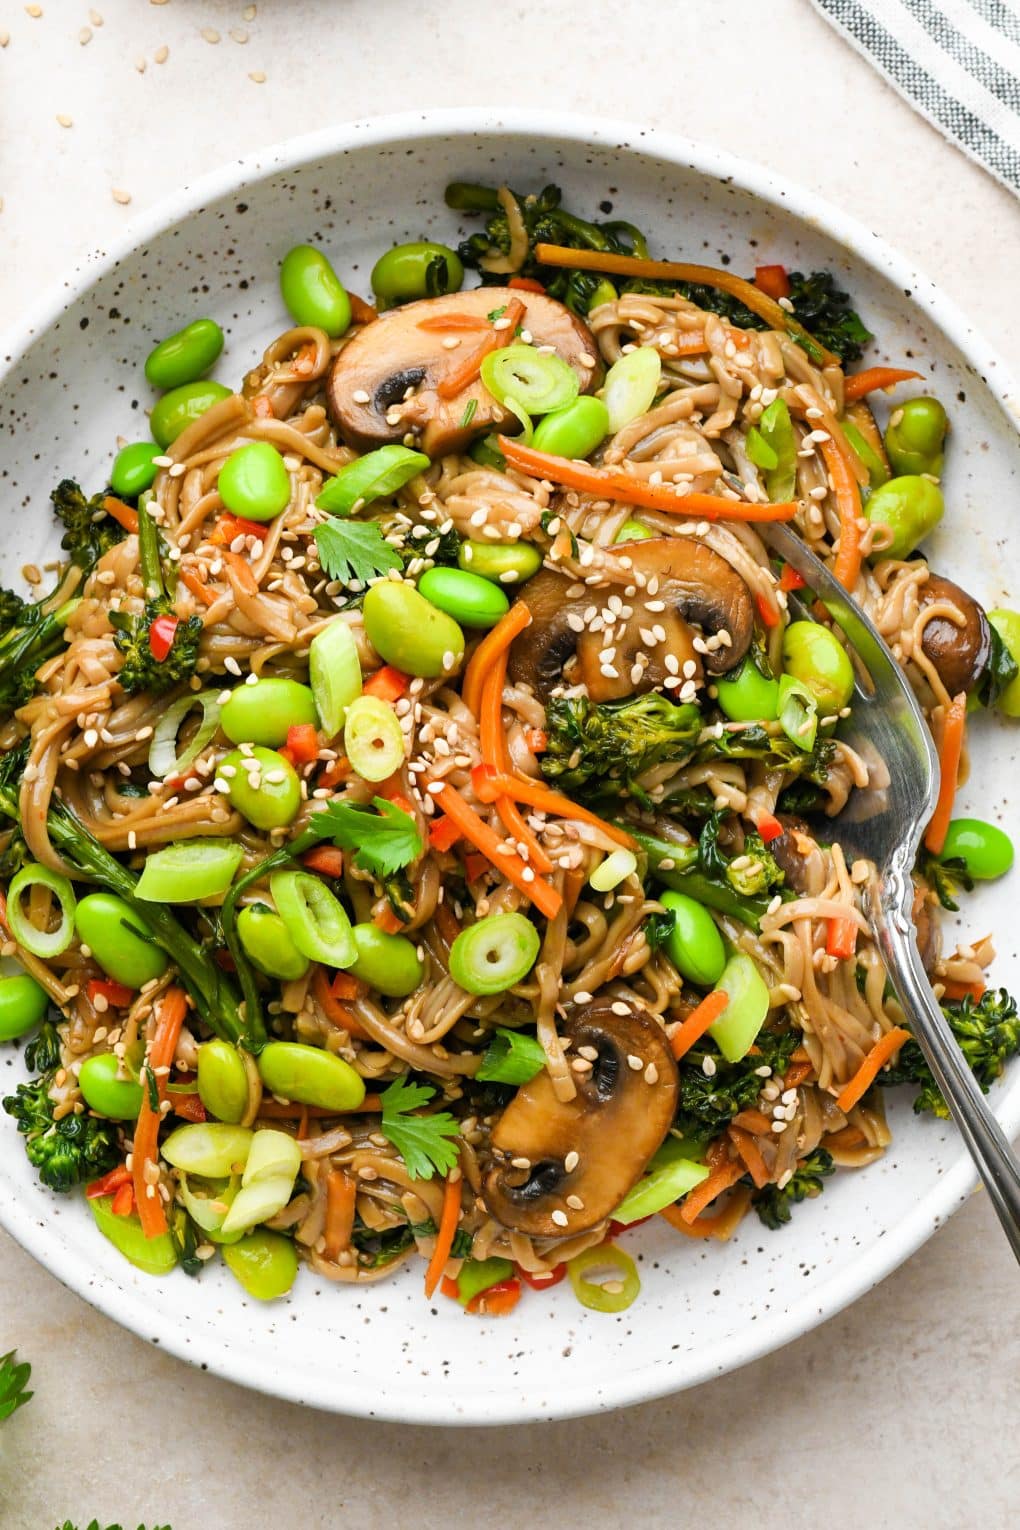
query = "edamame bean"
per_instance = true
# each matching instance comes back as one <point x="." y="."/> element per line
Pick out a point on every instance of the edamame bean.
<point x="746" y="695"/>
<point x="262" y="785"/>
<point x="502" y="562"/>
<point x="181" y="407"/>
<point x="263" y="712"/>
<point x="105" y="1092"/>
<point x="267" y="941"/>
<point x="118" y="940"/>
<point x="1007" y="625"/>
<point x="222" y="1080"/>
<point x="633" y="531"/>
<point x="984" y="849"/>
<point x="23" y="1003"/>
<point x="133" y="469"/>
<point x="467" y="597"/>
<point x="915" y="437"/>
<point x="265" y="1263"/>
<point x="185" y="356"/>
<point x="694" y="944"/>
<point x="813" y="655"/>
<point x="575" y="430"/>
<point x="254" y="482"/>
<point x="310" y="1076"/>
<point x="419" y="270"/>
<point x="388" y="963"/>
<point x="312" y="292"/>
<point x="911" y="507"/>
<point x="411" y="633"/>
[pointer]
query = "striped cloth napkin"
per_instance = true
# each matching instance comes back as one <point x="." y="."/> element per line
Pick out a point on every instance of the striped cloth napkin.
<point x="957" y="62"/>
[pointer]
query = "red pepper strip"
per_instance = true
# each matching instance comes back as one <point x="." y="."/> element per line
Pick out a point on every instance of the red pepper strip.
<point x="116" y="994"/>
<point x="450" y="1288"/>
<point x="109" y="1183"/>
<point x="542" y="1280"/>
<point x="124" y="1201"/>
<point x="769" y="827"/>
<point x="769" y="617"/>
<point x="388" y="684"/>
<point x="616" y="1228"/>
<point x="443" y="833"/>
<point x="302" y="743"/>
<point x="841" y="940"/>
<point x="497" y="1300"/>
<point x="188" y="1106"/>
<point x="773" y="281"/>
<point x="230" y="526"/>
<point x="161" y="636"/>
<point x="789" y="579"/>
<point x="327" y="860"/>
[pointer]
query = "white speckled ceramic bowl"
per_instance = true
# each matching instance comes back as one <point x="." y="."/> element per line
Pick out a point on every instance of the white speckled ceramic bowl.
<point x="73" y="381"/>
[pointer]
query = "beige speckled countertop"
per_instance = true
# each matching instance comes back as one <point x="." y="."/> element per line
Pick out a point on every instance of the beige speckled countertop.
<point x="896" y="1413"/>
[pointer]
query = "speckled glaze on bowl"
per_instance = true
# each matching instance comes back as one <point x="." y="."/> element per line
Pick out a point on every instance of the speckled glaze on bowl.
<point x="73" y="381"/>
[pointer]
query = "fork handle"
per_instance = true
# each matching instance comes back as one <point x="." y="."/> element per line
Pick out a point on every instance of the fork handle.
<point x="890" y="901"/>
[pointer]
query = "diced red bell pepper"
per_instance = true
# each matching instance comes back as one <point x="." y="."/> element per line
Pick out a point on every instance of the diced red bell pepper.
<point x="616" y="1228"/>
<point x="327" y="860"/>
<point x="302" y="744"/>
<point x="789" y="579"/>
<point x="116" y="994"/>
<point x="188" y="1106"/>
<point x="109" y="1183"/>
<point x="841" y="940"/>
<point x="124" y="1201"/>
<point x="443" y="833"/>
<point x="765" y="611"/>
<point x="773" y="281"/>
<point x="387" y="684"/>
<point x="769" y="827"/>
<point x="161" y="636"/>
<point x="497" y="1300"/>
<point x="542" y="1280"/>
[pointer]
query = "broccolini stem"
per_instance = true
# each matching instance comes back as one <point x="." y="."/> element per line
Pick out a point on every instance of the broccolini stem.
<point x="465" y="196"/>
<point x="148" y="548"/>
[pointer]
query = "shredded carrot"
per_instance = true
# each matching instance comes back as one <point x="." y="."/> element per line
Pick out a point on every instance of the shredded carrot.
<point x="545" y="897"/>
<point x="750" y="1154"/>
<point x="954" y="990"/>
<point x="704" y="1194"/>
<point x="336" y="1011"/>
<point x="475" y="867"/>
<point x="537" y="740"/>
<point x="170" y="1018"/>
<point x="797" y="1073"/>
<point x="230" y="526"/>
<point x="525" y="284"/>
<point x="954" y="730"/>
<point x="861" y="383"/>
<point x="866" y="1074"/>
<point x="629" y="489"/>
<point x="453" y="321"/>
<point x="121" y="513"/>
<point x="341" y="1195"/>
<point x="537" y="795"/>
<point x="388" y="684"/>
<point x="752" y="1121"/>
<point x="698" y="1021"/>
<point x="448" y="1219"/>
<point x="327" y="860"/>
<point x="109" y="1182"/>
<point x="494" y="749"/>
<point x="202" y="591"/>
<point x="262" y="407"/>
<point x="848" y="501"/>
<point x="443" y="835"/>
<point x="276" y="1110"/>
<point x="720" y="1226"/>
<point x="848" y="1138"/>
<point x="463" y="375"/>
<point x="242" y="571"/>
<point x="841" y="940"/>
<point x="362" y="312"/>
<point x="751" y="296"/>
<point x="495" y="642"/>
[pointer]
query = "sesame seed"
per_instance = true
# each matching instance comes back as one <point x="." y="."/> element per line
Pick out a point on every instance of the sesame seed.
<point x="779" y="1127"/>
<point x="258" y="76"/>
<point x="634" y="1062"/>
<point x="121" y="196"/>
<point x="560" y="1218"/>
<point x="571" y="1161"/>
<point x="651" y="1074"/>
<point x="210" y="34"/>
<point x="35" y="11"/>
<point x="582" y="997"/>
<point x="575" y="1203"/>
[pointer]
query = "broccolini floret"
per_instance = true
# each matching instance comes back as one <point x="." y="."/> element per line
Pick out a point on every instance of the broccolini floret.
<point x="774" y="1205"/>
<point x="146" y="666"/>
<point x="89" y="531"/>
<point x="773" y="749"/>
<point x="67" y="1152"/>
<point x="708" y="1103"/>
<point x="600" y="749"/>
<point x="988" y="1033"/>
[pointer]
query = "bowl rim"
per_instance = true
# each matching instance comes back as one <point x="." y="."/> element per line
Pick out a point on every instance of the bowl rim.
<point x="657" y="1379"/>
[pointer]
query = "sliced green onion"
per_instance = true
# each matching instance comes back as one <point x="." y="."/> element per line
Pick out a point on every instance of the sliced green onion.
<point x="257" y="1203"/>
<point x="208" y="1211"/>
<point x="759" y="451"/>
<point x="616" y="868"/>
<point x="878" y="473"/>
<point x="493" y="954"/>
<point x="164" y="759"/>
<point x="272" y="1153"/>
<point x="631" y="385"/>
<point x="518" y="375"/>
<point x="798" y="713"/>
<point x="315" y="920"/>
<point x="210" y="1148"/>
<point x="189" y="871"/>
<point x="373" y="738"/>
<point x="671" y="1174"/>
<point x="737" y="1027"/>
<point x="43" y="943"/>
<point x="772" y="446"/>
<point x="616" y="1293"/>
<point x="477" y="1275"/>
<point x="334" y="672"/>
<point x="374" y="476"/>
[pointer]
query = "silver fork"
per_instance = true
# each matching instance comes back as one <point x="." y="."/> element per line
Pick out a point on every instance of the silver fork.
<point x="883" y="823"/>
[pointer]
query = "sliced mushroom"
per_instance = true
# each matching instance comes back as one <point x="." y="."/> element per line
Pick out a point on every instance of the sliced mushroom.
<point x="959" y="653"/>
<point x="686" y="585"/>
<point x="383" y="382"/>
<point x="926" y="927"/>
<point x="793" y="851"/>
<point x="560" y="1168"/>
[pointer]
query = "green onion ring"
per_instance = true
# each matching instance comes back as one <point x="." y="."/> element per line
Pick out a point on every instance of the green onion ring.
<point x="41" y="942"/>
<point x="163" y="757"/>
<point x="522" y="379"/>
<point x="590" y="1293"/>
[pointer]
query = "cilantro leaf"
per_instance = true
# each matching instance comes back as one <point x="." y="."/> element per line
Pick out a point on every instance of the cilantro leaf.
<point x="511" y="1058"/>
<point x="383" y="841"/>
<point x="427" y="1144"/>
<point x="354" y="550"/>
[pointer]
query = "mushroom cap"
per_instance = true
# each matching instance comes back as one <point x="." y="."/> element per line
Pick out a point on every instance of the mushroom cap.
<point x="960" y="654"/>
<point x="617" y="1120"/>
<point x="393" y="353"/>
<point x="694" y="584"/>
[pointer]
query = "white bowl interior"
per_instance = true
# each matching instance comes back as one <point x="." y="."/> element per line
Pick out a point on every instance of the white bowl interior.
<point x="77" y="383"/>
